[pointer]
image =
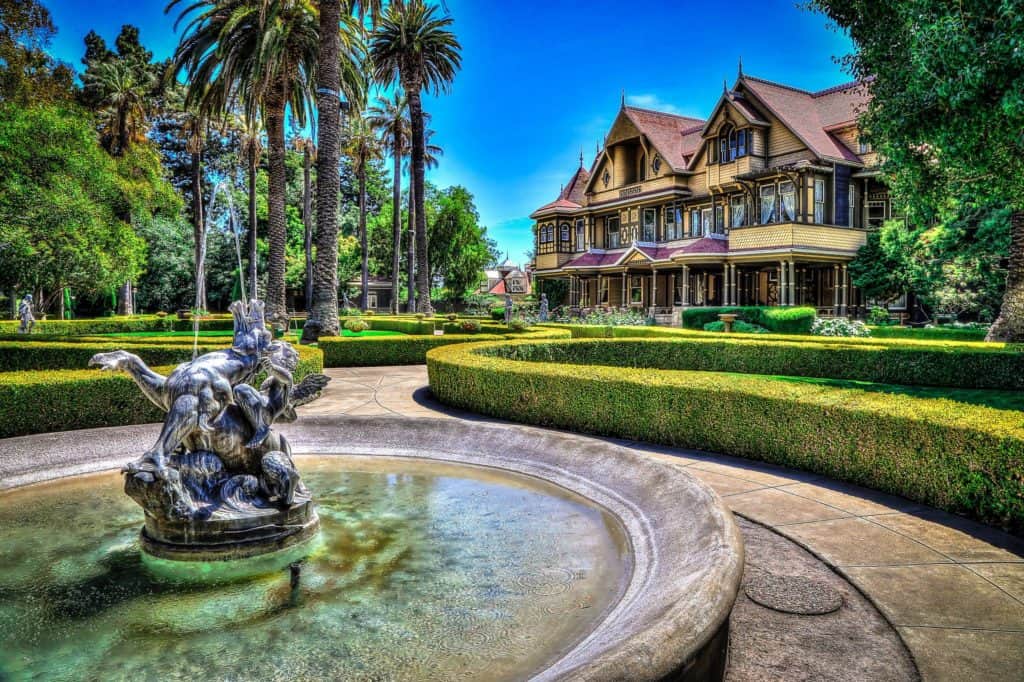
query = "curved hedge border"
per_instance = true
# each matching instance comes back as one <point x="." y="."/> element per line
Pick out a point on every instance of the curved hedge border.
<point x="962" y="458"/>
<point x="888" y="364"/>
<point x="33" y="355"/>
<point x="781" y="320"/>
<point x="374" y="351"/>
<point x="44" y="401"/>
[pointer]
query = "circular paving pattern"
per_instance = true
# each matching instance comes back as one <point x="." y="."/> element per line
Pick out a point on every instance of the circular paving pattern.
<point x="793" y="594"/>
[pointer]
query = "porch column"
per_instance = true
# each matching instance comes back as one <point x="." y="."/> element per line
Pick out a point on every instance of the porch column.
<point x="735" y="284"/>
<point x="597" y="292"/>
<point x="686" y="286"/>
<point x="654" y="287"/>
<point x="725" y="284"/>
<point x="782" y="282"/>
<point x="835" y="289"/>
<point x="792" y="282"/>
<point x="671" y="290"/>
<point x="843" y="301"/>
<point x="624" y="302"/>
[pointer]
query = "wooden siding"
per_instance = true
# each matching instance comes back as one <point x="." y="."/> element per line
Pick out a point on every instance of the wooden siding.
<point x="795" y="235"/>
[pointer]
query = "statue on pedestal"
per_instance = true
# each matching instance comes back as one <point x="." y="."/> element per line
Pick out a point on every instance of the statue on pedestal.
<point x="542" y="313"/>
<point x="219" y="482"/>
<point x="28" y="320"/>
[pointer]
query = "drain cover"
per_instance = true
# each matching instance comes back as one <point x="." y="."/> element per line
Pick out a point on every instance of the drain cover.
<point x="792" y="594"/>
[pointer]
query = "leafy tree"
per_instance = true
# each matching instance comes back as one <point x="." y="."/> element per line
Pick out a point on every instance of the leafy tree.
<point x="67" y="208"/>
<point x="947" y="109"/>
<point x="460" y="248"/>
<point x="27" y="73"/>
<point x="414" y="46"/>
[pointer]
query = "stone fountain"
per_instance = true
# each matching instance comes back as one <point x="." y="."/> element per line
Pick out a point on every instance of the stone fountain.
<point x="220" y="483"/>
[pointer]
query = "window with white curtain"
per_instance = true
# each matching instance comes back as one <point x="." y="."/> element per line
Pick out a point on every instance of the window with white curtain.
<point x="737" y="212"/>
<point x="719" y="218"/>
<point x="819" y="201"/>
<point x="705" y="222"/>
<point x="650" y="225"/>
<point x="581" y="234"/>
<point x="787" y="193"/>
<point x="694" y="222"/>
<point x="767" y="204"/>
<point x="613" y="233"/>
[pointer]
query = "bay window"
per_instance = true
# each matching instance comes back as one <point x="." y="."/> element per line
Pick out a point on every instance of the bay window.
<point x="613" y="233"/>
<point x="673" y="222"/>
<point x="694" y="222"/>
<point x="650" y="225"/>
<point x="705" y="222"/>
<point x="581" y="235"/>
<point x="819" y="201"/>
<point x="737" y="212"/>
<point x="565" y="232"/>
<point x="767" y="204"/>
<point x="787" y="193"/>
<point x="719" y="218"/>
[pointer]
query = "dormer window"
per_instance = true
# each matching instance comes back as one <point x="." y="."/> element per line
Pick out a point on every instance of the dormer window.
<point x="606" y="178"/>
<point x="656" y="164"/>
<point x="732" y="143"/>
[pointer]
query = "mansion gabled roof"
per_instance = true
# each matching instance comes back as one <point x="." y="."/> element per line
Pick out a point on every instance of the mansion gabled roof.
<point x="592" y="259"/>
<point x="572" y="195"/>
<point x="666" y="133"/>
<point x="810" y="114"/>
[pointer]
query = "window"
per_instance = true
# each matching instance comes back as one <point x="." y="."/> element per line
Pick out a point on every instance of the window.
<point x="863" y="146"/>
<point x="581" y="235"/>
<point x="613" y="233"/>
<point x="636" y="289"/>
<point x="819" y="201"/>
<point x="742" y="143"/>
<point x="737" y="212"/>
<point x="650" y="232"/>
<point x="712" y="152"/>
<point x="673" y="222"/>
<point x="719" y="218"/>
<point x="787" y="193"/>
<point x="602" y="290"/>
<point x="767" y="204"/>
<point x="705" y="221"/>
<point x="565" y="232"/>
<point x="851" y="199"/>
<point x="732" y="144"/>
<point x="877" y="213"/>
<point x="694" y="222"/>
<point x="516" y="285"/>
<point x="643" y="167"/>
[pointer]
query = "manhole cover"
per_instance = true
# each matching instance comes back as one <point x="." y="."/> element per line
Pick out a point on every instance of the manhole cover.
<point x="791" y="594"/>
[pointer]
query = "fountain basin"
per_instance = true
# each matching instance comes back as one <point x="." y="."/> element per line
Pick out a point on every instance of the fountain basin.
<point x="683" y="557"/>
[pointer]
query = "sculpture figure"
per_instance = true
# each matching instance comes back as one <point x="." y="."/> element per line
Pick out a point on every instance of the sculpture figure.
<point x="542" y="314"/>
<point x="217" y="464"/>
<point x="28" y="320"/>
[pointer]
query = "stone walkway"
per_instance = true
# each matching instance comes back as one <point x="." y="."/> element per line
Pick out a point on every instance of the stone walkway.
<point x="953" y="589"/>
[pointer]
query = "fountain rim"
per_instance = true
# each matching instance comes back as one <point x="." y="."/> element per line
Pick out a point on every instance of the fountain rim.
<point x="686" y="550"/>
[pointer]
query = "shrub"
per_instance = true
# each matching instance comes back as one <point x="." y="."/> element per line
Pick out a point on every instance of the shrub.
<point x="839" y="326"/>
<point x="696" y="318"/>
<point x="739" y="327"/>
<point x="89" y="398"/>
<point x="879" y="316"/>
<point x="470" y="326"/>
<point x="944" y="333"/>
<point x="498" y="313"/>
<point x="369" y="312"/>
<point x="356" y="325"/>
<point x="963" y="458"/>
<point x="161" y="314"/>
<point x="420" y="316"/>
<point x="518" y="324"/>
<point x="451" y="317"/>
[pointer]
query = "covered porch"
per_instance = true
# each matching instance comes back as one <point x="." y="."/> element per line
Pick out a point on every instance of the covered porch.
<point x="662" y="288"/>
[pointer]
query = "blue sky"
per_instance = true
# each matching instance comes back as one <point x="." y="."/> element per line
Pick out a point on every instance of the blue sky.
<point x="541" y="80"/>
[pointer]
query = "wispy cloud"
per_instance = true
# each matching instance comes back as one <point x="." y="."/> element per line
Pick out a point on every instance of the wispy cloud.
<point x="652" y="102"/>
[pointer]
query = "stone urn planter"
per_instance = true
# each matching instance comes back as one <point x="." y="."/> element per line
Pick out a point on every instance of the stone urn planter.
<point x="727" y="319"/>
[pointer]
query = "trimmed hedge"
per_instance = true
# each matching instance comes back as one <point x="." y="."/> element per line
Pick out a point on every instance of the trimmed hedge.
<point x="781" y="320"/>
<point x="963" y="458"/>
<point x="928" y="333"/>
<point x="913" y="366"/>
<point x="32" y="355"/>
<point x="44" y="401"/>
<point x="117" y="325"/>
<point x="410" y="350"/>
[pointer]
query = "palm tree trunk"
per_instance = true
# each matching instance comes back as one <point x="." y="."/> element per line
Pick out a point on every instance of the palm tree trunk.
<point x="411" y="307"/>
<point x="328" y="181"/>
<point x="364" y="242"/>
<point x="396" y="226"/>
<point x="307" y="221"/>
<point x="199" y="230"/>
<point x="277" y="225"/>
<point x="253" y="288"/>
<point x="418" y="180"/>
<point x="1009" y="326"/>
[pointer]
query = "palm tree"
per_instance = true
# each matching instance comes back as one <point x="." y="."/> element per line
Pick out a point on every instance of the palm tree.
<point x="262" y="52"/>
<point x="413" y="46"/>
<point x="251" y="139"/>
<point x="389" y="116"/>
<point x="305" y="145"/>
<point x="339" y="74"/>
<point x="362" y="147"/>
<point x="431" y="154"/>
<point x="124" y="92"/>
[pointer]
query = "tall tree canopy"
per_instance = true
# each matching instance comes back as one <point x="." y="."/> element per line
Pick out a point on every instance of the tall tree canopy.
<point x="947" y="113"/>
<point x="27" y="72"/>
